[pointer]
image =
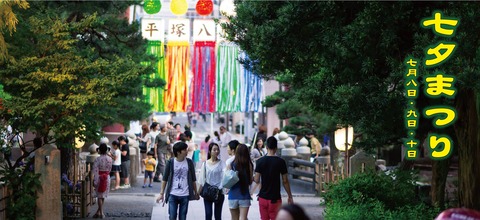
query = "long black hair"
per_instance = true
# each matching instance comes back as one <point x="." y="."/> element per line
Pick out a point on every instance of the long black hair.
<point x="242" y="164"/>
<point x="210" y="148"/>
<point x="256" y="146"/>
<point x="295" y="211"/>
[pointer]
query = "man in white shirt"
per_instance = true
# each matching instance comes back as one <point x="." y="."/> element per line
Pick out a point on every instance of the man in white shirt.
<point x="225" y="138"/>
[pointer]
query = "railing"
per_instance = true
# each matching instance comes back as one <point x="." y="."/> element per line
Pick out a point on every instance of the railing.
<point x="318" y="173"/>
<point x="303" y="170"/>
<point x="77" y="199"/>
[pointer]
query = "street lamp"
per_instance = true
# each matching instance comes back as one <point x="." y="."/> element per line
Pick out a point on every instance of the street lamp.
<point x="343" y="142"/>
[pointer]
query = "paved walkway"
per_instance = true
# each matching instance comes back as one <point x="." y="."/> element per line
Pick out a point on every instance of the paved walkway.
<point x="139" y="203"/>
<point x="196" y="209"/>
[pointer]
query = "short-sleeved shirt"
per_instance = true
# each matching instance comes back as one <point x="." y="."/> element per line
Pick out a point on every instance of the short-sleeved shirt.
<point x="161" y="141"/>
<point x="212" y="173"/>
<point x="117" y="161"/>
<point x="271" y="168"/>
<point x="180" y="183"/>
<point x="125" y="158"/>
<point x="150" y="164"/>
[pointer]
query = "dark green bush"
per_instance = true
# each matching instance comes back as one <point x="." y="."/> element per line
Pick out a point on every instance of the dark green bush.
<point x="373" y="195"/>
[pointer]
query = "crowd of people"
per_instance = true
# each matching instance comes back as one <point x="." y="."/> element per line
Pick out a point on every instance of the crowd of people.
<point x="169" y="155"/>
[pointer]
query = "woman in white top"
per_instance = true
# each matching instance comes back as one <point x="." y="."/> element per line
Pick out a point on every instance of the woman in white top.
<point x="257" y="152"/>
<point x="212" y="173"/>
<point x="116" y="163"/>
<point x="150" y="137"/>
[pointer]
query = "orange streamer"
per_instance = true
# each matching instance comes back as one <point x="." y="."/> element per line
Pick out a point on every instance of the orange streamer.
<point x="176" y="94"/>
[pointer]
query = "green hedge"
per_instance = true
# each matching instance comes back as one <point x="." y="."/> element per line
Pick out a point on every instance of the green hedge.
<point x="373" y="196"/>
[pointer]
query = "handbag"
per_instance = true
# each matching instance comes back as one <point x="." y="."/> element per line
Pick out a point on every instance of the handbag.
<point x="143" y="146"/>
<point x="230" y="178"/>
<point x="209" y="192"/>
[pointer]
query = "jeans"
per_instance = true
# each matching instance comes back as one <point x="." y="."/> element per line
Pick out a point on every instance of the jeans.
<point x="218" y="208"/>
<point x="173" y="205"/>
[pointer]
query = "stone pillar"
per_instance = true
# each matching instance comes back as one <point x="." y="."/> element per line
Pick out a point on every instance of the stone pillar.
<point x="49" y="203"/>
<point x="303" y="150"/>
<point x="134" y="157"/>
<point x="322" y="171"/>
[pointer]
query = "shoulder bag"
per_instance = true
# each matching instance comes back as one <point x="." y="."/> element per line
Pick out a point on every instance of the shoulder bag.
<point x="209" y="192"/>
<point x="230" y="178"/>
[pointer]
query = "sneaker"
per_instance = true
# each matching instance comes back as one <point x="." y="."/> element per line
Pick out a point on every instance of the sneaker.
<point x="150" y="185"/>
<point x="144" y="186"/>
<point x="125" y="186"/>
<point x="156" y="180"/>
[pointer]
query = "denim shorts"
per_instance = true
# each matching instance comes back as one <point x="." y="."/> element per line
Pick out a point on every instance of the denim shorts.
<point x="234" y="204"/>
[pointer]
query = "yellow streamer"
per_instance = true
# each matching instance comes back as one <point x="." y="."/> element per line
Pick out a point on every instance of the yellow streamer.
<point x="176" y="94"/>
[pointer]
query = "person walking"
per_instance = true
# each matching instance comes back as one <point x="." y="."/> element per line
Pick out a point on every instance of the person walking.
<point x="161" y="149"/>
<point x="191" y="145"/>
<point x="225" y="138"/>
<point x="149" y="163"/>
<point x="117" y="162"/>
<point x="179" y="183"/>
<point x="125" y="158"/>
<point x="239" y="195"/>
<point x="204" y="148"/>
<point x="144" y="142"/>
<point x="172" y="136"/>
<point x="256" y="153"/>
<point x="315" y="145"/>
<point x="154" y="131"/>
<point x="231" y="148"/>
<point x="211" y="172"/>
<point x="268" y="170"/>
<point x="101" y="171"/>
<point x="261" y="134"/>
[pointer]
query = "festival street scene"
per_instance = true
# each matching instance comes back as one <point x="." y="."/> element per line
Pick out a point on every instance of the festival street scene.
<point x="239" y="109"/>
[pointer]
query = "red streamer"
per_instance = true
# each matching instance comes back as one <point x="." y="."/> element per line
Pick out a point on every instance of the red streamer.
<point x="204" y="77"/>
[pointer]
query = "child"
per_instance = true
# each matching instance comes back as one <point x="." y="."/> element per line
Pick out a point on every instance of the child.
<point x="149" y="168"/>
<point x="116" y="163"/>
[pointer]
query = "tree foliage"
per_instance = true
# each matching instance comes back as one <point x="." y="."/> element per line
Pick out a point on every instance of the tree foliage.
<point x="77" y="64"/>
<point x="8" y="21"/>
<point x="346" y="60"/>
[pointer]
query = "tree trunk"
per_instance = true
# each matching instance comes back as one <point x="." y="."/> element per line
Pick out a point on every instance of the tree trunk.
<point x="439" y="178"/>
<point x="467" y="131"/>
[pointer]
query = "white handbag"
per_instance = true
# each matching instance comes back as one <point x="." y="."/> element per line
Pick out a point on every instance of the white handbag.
<point x="230" y="178"/>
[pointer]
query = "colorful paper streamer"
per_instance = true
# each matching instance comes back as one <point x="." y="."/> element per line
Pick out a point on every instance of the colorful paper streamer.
<point x="154" y="96"/>
<point x="176" y="76"/>
<point x="204" y="77"/>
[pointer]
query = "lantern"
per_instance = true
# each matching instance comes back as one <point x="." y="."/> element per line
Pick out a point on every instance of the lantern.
<point x="152" y="6"/>
<point x="344" y="138"/>
<point x="179" y="7"/>
<point x="227" y="7"/>
<point x="204" y="7"/>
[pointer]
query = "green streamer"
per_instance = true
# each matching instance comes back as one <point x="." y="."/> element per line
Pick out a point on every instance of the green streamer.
<point x="228" y="79"/>
<point x="153" y="95"/>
